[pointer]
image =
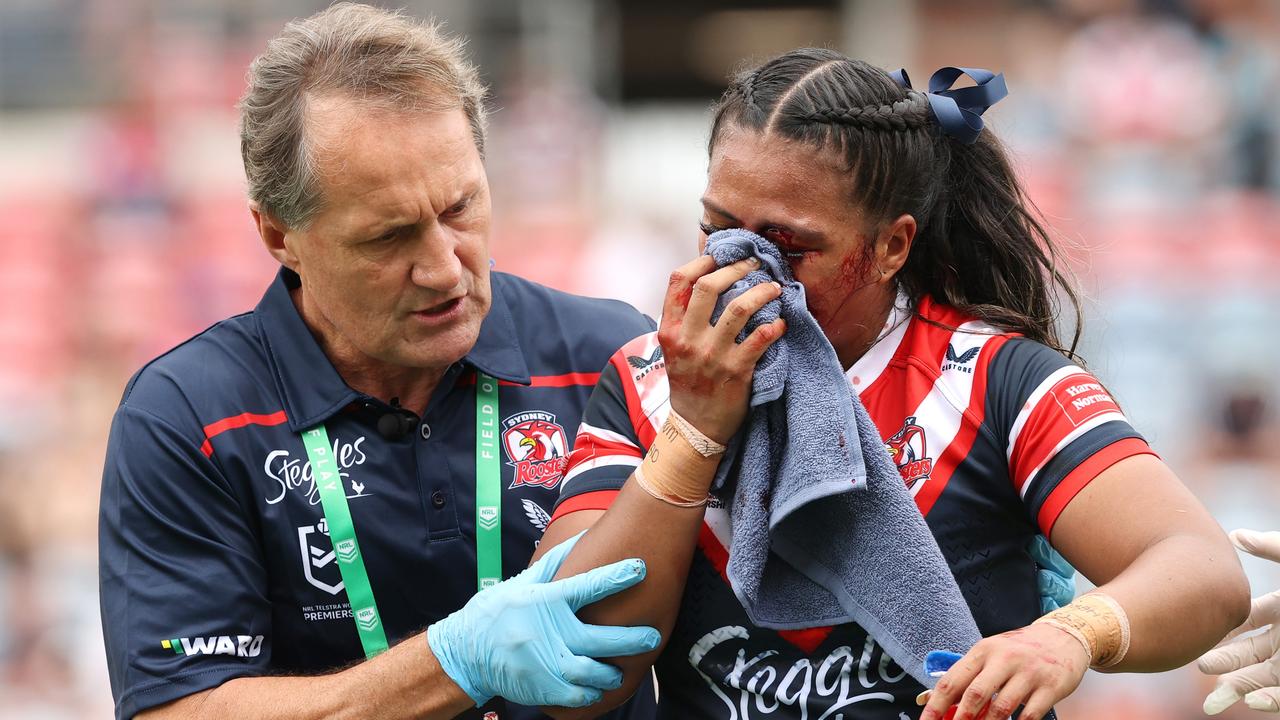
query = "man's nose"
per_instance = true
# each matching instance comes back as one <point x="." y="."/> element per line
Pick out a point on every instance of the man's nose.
<point x="436" y="265"/>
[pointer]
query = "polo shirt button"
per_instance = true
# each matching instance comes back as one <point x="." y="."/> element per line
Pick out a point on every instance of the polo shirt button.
<point x="437" y="499"/>
<point x="426" y="431"/>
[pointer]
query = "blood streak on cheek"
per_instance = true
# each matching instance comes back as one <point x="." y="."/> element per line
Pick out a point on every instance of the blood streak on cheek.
<point x="853" y="267"/>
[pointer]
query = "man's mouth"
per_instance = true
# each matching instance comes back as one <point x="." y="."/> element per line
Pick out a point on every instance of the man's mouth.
<point x="443" y="312"/>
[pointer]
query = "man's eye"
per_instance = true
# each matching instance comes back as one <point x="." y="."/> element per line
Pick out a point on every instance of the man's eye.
<point x="458" y="209"/>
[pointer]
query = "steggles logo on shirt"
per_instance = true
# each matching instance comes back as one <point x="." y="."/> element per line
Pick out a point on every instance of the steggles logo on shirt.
<point x="755" y="682"/>
<point x="290" y="473"/>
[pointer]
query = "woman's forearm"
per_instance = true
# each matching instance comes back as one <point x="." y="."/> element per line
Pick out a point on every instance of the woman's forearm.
<point x="1144" y="539"/>
<point x="664" y="536"/>
<point x="1181" y="596"/>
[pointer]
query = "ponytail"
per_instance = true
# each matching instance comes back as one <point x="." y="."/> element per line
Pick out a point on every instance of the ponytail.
<point x="983" y="250"/>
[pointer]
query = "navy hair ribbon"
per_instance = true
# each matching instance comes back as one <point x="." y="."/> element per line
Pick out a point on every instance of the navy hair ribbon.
<point x="959" y="111"/>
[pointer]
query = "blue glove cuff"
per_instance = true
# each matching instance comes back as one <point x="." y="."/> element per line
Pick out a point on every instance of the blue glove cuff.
<point x="437" y="640"/>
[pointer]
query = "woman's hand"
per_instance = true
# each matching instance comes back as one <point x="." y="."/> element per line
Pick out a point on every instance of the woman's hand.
<point x="708" y="370"/>
<point x="1035" y="667"/>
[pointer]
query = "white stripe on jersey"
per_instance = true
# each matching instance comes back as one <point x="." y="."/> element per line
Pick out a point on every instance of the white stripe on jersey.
<point x="601" y="461"/>
<point x="1070" y="438"/>
<point x="607" y="435"/>
<point x="652" y="388"/>
<point x="718" y="522"/>
<point x="874" y="361"/>
<point x="1033" y="400"/>
<point x="942" y="410"/>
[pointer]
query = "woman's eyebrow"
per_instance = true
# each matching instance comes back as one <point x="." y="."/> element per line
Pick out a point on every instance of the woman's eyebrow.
<point x="792" y="229"/>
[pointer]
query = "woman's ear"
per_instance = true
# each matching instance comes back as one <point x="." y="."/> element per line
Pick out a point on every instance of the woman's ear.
<point x="894" y="245"/>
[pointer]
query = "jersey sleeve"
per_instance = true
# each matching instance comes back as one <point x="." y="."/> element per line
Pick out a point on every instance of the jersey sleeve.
<point x="1059" y="426"/>
<point x="616" y="430"/>
<point x="181" y="581"/>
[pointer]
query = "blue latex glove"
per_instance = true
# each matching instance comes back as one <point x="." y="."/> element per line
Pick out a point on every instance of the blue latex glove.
<point x="1055" y="578"/>
<point x="521" y="640"/>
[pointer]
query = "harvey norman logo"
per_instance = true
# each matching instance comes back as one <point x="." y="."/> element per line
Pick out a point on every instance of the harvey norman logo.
<point x="245" y="646"/>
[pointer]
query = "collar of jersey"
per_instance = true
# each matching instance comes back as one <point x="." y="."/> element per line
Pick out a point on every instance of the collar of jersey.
<point x="313" y="390"/>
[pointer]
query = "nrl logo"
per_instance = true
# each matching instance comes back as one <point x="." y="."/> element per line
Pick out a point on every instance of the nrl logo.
<point x="487" y="516"/>
<point x="318" y="555"/>
<point x="346" y="550"/>
<point x="367" y="618"/>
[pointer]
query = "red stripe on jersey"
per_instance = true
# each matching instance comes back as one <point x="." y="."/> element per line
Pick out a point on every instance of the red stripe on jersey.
<point x="962" y="443"/>
<point x="565" y="380"/>
<point x="889" y="399"/>
<point x="238" y="421"/>
<point x="645" y="431"/>
<point x="598" y="447"/>
<point x="1082" y="475"/>
<point x="595" y="500"/>
<point x="1054" y="418"/>
<point x="807" y="639"/>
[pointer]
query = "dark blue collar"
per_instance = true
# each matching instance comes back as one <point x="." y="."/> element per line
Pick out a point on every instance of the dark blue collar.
<point x="313" y="390"/>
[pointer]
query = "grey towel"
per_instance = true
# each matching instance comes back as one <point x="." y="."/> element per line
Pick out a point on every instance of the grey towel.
<point x="824" y="530"/>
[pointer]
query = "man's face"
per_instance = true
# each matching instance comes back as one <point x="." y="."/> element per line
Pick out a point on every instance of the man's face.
<point x="395" y="266"/>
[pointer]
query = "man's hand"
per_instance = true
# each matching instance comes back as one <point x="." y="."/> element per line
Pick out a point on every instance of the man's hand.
<point x="521" y="639"/>
<point x="1251" y="664"/>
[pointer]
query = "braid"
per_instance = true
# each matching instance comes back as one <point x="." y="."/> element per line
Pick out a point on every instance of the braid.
<point x="909" y="114"/>
<point x="748" y="89"/>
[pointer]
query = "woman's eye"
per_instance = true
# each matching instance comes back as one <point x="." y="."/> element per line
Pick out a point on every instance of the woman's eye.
<point x="784" y="240"/>
<point x="708" y="228"/>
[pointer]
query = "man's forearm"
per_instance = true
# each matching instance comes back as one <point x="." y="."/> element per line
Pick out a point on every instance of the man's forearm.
<point x="404" y="682"/>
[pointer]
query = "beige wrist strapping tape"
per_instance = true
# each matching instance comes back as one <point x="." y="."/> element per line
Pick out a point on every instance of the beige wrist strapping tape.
<point x="705" y="446"/>
<point x="670" y="471"/>
<point x="1099" y="623"/>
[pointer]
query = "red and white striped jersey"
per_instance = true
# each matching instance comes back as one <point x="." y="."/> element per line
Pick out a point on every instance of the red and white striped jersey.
<point x="994" y="435"/>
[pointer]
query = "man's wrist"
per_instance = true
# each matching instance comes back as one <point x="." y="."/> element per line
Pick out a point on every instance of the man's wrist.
<point x="449" y="669"/>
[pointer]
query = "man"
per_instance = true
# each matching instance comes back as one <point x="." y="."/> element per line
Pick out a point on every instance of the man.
<point x="1249" y="665"/>
<point x="298" y="487"/>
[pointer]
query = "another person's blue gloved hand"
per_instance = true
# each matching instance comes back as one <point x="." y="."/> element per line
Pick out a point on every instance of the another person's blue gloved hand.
<point x="521" y="640"/>
<point x="1055" y="578"/>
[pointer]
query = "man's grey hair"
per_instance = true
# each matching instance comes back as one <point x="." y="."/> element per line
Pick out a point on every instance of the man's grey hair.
<point x="378" y="58"/>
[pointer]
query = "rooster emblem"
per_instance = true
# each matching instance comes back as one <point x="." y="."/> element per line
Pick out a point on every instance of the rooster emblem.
<point x="907" y="448"/>
<point x="536" y="447"/>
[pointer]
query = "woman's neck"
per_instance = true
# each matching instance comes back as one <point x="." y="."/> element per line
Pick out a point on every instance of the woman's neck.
<point x="852" y="336"/>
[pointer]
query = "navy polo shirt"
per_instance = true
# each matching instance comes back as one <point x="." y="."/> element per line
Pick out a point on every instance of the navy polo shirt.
<point x="215" y="560"/>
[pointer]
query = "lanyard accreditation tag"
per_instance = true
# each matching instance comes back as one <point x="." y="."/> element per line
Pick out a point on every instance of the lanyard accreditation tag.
<point x="333" y="501"/>
<point x="488" y="485"/>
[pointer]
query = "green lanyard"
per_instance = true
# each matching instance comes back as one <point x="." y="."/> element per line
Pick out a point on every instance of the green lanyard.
<point x="333" y="501"/>
<point x="488" y="485"/>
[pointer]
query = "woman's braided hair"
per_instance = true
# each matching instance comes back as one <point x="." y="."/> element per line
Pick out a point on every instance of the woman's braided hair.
<point x="979" y="245"/>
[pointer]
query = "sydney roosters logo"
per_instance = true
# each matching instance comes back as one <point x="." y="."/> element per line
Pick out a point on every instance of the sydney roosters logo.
<point x="536" y="447"/>
<point x="907" y="448"/>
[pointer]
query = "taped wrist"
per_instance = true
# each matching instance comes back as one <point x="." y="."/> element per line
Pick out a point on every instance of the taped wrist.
<point x="1099" y="623"/>
<point x="674" y="470"/>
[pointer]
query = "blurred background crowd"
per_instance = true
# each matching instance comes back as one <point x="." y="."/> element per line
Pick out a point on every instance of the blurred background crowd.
<point x="1147" y="132"/>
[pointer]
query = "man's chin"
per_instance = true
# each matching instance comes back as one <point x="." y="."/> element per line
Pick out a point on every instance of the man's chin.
<point x="442" y="348"/>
